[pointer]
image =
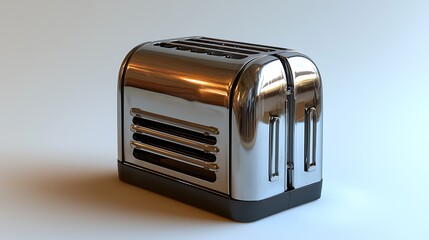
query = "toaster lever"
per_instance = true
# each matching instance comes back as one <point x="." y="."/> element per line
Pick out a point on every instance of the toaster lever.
<point x="273" y="159"/>
<point x="310" y="139"/>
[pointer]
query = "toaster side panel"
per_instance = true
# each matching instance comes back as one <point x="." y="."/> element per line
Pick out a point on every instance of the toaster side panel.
<point x="187" y="165"/>
<point x="258" y="131"/>
<point x="175" y="108"/>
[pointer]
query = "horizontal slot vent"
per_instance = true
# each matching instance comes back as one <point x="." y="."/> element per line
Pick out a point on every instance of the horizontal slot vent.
<point x="174" y="139"/>
<point x="212" y="45"/>
<point x="174" y="165"/>
<point x="206" y="130"/>
<point x="218" y="47"/>
<point x="178" y="145"/>
<point x="173" y="130"/>
<point x="191" y="152"/>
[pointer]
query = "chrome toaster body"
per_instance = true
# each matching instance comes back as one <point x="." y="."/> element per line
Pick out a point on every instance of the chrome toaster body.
<point x="233" y="128"/>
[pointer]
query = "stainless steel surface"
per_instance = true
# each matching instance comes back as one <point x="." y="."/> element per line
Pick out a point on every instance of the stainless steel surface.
<point x="173" y="138"/>
<point x="260" y="93"/>
<point x="237" y="92"/>
<point x="136" y="112"/>
<point x="172" y="155"/>
<point x="119" y="99"/>
<point x="189" y="79"/>
<point x="307" y="95"/>
<point x="196" y="77"/>
<point x="196" y="112"/>
<point x="273" y="159"/>
<point x="205" y="78"/>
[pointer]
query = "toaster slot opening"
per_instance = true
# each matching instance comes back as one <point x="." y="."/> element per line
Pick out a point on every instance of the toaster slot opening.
<point x="184" y="46"/>
<point x="192" y="42"/>
<point x="184" y="133"/>
<point x="175" y="165"/>
<point x="191" y="152"/>
<point x="240" y="45"/>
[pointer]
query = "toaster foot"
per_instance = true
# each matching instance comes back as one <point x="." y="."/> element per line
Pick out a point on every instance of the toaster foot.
<point x="241" y="211"/>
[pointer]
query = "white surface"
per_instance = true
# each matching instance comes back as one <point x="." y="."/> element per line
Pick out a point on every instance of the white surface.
<point x="58" y="68"/>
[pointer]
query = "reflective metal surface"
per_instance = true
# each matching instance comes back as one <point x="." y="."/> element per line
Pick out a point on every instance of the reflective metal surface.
<point x="173" y="138"/>
<point x="196" y="77"/>
<point x="177" y="108"/>
<point x="190" y="79"/>
<point x="119" y="95"/>
<point x="260" y="95"/>
<point x="307" y="144"/>
<point x="264" y="103"/>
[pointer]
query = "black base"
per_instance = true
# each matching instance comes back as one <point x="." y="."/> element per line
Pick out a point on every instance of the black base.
<point x="242" y="211"/>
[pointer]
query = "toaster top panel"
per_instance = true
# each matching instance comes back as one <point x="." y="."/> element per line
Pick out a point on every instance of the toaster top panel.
<point x="196" y="68"/>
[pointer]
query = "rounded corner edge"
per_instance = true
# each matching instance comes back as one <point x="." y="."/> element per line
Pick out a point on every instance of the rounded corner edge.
<point x="120" y="98"/>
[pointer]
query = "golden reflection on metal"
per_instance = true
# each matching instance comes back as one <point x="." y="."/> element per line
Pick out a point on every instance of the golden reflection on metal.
<point x="272" y="88"/>
<point x="213" y="91"/>
<point x="194" y="80"/>
<point x="180" y="75"/>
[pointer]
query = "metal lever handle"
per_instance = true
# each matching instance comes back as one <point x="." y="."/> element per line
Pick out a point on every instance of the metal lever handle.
<point x="273" y="159"/>
<point x="310" y="139"/>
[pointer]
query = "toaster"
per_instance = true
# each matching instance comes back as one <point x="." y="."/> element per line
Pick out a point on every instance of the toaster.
<point x="230" y="127"/>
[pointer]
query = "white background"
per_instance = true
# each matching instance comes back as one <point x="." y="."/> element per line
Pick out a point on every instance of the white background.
<point x="59" y="62"/>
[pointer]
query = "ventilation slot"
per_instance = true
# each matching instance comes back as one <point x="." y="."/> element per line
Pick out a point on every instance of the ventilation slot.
<point x="178" y="145"/>
<point x="218" y="47"/>
<point x="201" y="155"/>
<point x="180" y="132"/>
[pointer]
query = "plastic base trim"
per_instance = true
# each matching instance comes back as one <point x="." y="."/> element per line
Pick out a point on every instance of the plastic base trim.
<point x="241" y="211"/>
